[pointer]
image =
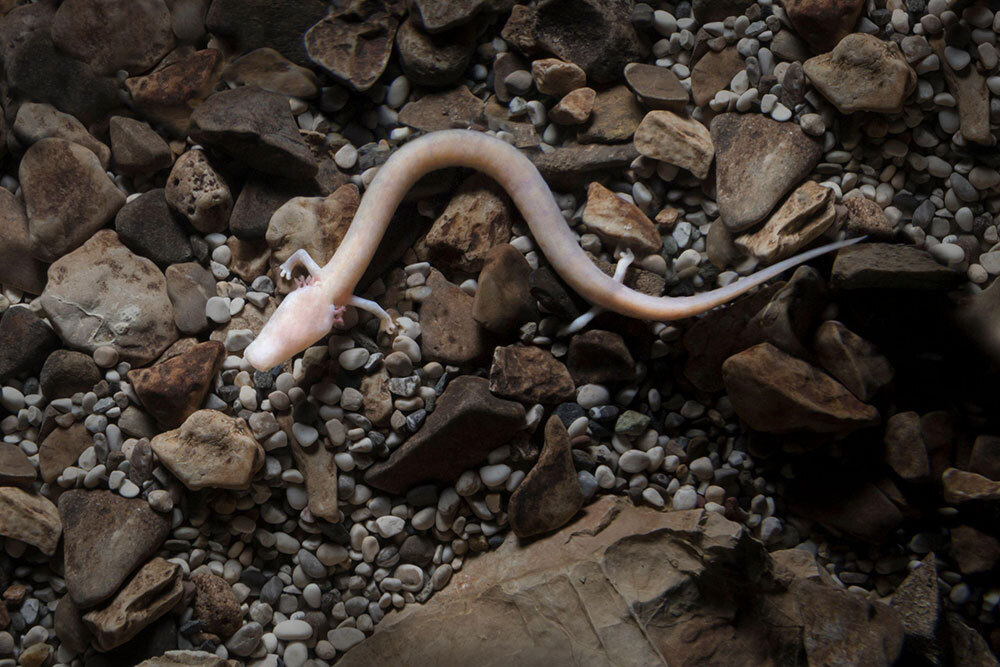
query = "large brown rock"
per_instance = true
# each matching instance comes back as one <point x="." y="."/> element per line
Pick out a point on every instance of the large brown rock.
<point x="35" y="122"/>
<point x="268" y="69"/>
<point x="758" y="160"/>
<point x="185" y="659"/>
<point x="149" y="227"/>
<point x="189" y="286"/>
<point x="138" y="148"/>
<point x="863" y="73"/>
<point x="18" y="268"/>
<point x="905" y="450"/>
<point x="677" y="140"/>
<point x="468" y="422"/>
<point x="434" y="59"/>
<point x="196" y="190"/>
<point x="103" y="294"/>
<point x="174" y="389"/>
<point x="618" y="222"/>
<point x="449" y="332"/>
<point x="167" y="95"/>
<point x="801" y="219"/>
<point x="713" y="72"/>
<point x="25" y="342"/>
<point x="107" y="538"/>
<point x="210" y="450"/>
<point x="777" y="393"/>
<point x="890" y="266"/>
<point x="918" y="603"/>
<point x="614" y="116"/>
<point x="456" y="108"/>
<point x="657" y="87"/>
<point x="215" y="605"/>
<point x="15" y="467"/>
<point x="252" y="24"/>
<point x="550" y="494"/>
<point x="354" y="52"/>
<point x="30" y="518"/>
<point x="961" y="486"/>
<point x="596" y="357"/>
<point x="854" y="361"/>
<point x="823" y="23"/>
<point x="530" y="374"/>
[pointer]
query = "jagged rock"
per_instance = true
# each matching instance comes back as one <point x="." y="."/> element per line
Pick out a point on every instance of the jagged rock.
<point x="596" y="357"/>
<point x="615" y="114"/>
<point x="801" y="219"/>
<point x="269" y="70"/>
<point x="889" y="266"/>
<point x="355" y="52"/>
<point x="61" y="448"/>
<point x="174" y="389"/>
<point x="167" y="95"/>
<point x="189" y="286"/>
<point x="30" y="518"/>
<point x="530" y="374"/>
<point x="851" y="359"/>
<point x="550" y="495"/>
<point x="252" y="24"/>
<point x="863" y="73"/>
<point x="619" y="222"/>
<point x="15" y="467"/>
<point x="434" y="59"/>
<point x="961" y="486"/>
<point x="215" y="605"/>
<point x="665" y="136"/>
<point x="713" y="72"/>
<point x="823" y="23"/>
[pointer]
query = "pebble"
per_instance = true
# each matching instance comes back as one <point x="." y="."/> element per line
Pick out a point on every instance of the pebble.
<point x="685" y="498"/>
<point x="293" y="630"/>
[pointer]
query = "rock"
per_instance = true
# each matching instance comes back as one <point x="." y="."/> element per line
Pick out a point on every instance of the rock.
<point x="857" y="510"/>
<point x="35" y="122"/>
<point x="252" y="24"/>
<point x="706" y="11"/>
<point x="377" y="402"/>
<point x="210" y="450"/>
<point x="863" y="73"/>
<point x="657" y="87"/>
<point x="973" y="551"/>
<point x="574" y="108"/>
<point x="600" y="38"/>
<point x="531" y="375"/>
<point x="15" y="467"/>
<point x="67" y="195"/>
<point x="215" y="605"/>
<point x="66" y="372"/>
<point x="918" y="604"/>
<point x="149" y="228"/>
<point x="456" y="108"/>
<point x="823" y="23"/>
<point x="269" y="70"/>
<point x="888" y="266"/>
<point x="434" y="59"/>
<point x="250" y="259"/>
<point x="111" y="36"/>
<point x="440" y="15"/>
<point x="185" y="659"/>
<point x="137" y="148"/>
<point x="61" y="448"/>
<point x="636" y="278"/>
<point x="18" y="268"/>
<point x="787" y="46"/>
<point x="852" y="360"/>
<point x="450" y="334"/>
<point x="985" y="457"/>
<point x="154" y="590"/>
<point x="107" y="538"/>
<point x="138" y="323"/>
<point x="354" y="52"/>
<point x="319" y="468"/>
<point x="468" y="422"/>
<point x="69" y="627"/>
<point x="684" y="142"/>
<point x="30" y="518"/>
<point x="978" y="316"/>
<point x="136" y="423"/>
<point x="866" y="218"/>
<point x="618" y="222"/>
<point x="477" y="218"/>
<point x="614" y="118"/>
<point x="254" y="127"/>
<point x="777" y="393"/>
<point x="569" y="164"/>
<point x="719" y="246"/>
<point x="315" y="224"/>
<point x="596" y="357"/>
<point x="260" y="197"/>
<point x="969" y="89"/>
<point x="789" y="319"/>
<point x="197" y="191"/>
<point x="905" y="450"/>
<point x="713" y="72"/>
<point x="189" y="286"/>
<point x="806" y="214"/>
<point x="503" y="298"/>
<point x="961" y="486"/>
<point x="174" y="389"/>
<point x="967" y="647"/>
<point x="550" y="495"/>
<point x="168" y="95"/>
<point x="757" y="161"/>
<point x="25" y="342"/>
<point x="556" y="77"/>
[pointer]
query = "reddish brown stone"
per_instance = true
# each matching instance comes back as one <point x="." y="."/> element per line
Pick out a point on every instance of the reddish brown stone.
<point x="449" y="332"/>
<point x="215" y="605"/>
<point x="598" y="356"/>
<point x="530" y="374"/>
<point x="174" y="389"/>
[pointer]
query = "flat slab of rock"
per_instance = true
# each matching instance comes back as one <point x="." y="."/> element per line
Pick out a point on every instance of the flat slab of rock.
<point x="961" y="486"/>
<point x="854" y="361"/>
<point x="617" y="221"/>
<point x="757" y="161"/>
<point x="450" y="334"/>
<point x="107" y="538"/>
<point x="597" y="356"/>
<point x="566" y="165"/>
<point x="15" y="467"/>
<point x="969" y="89"/>
<point x="890" y="266"/>
<point x="468" y="422"/>
<point x="550" y="495"/>
<point x="456" y="108"/>
<point x="354" y="52"/>
<point x="317" y="465"/>
<point x="129" y="310"/>
<point x="210" y="450"/>
<point x="256" y="128"/>
<point x="30" y="518"/>
<point x="174" y="389"/>
<point x="677" y="140"/>
<point x="713" y="72"/>
<point x="777" y="393"/>
<point x="185" y="659"/>
<point x="657" y="87"/>
<point x="801" y="219"/>
<point x="18" y="268"/>
<point x="614" y="116"/>
<point x="863" y="73"/>
<point x="530" y="374"/>
<point x="61" y="448"/>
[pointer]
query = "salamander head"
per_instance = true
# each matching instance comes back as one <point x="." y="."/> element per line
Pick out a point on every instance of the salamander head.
<point x="303" y="317"/>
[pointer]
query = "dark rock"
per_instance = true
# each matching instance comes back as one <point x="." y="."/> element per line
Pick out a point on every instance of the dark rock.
<point x="503" y="298"/>
<point x="215" y="605"/>
<point x="456" y="108"/>
<point x="441" y="15"/>
<point x="189" y="286"/>
<point x="468" y="422"/>
<point x="657" y="87"/>
<point x="615" y="116"/>
<point x="550" y="495"/>
<point x="252" y="24"/>
<point x="260" y="197"/>
<point x="174" y="389"/>
<point x="985" y="457"/>
<point x="66" y="372"/>
<point x="15" y="467"/>
<point x="553" y="296"/>
<point x="973" y="550"/>
<point x="418" y="550"/>
<point x="707" y="11"/>
<point x="851" y="359"/>
<point x="434" y="59"/>
<point x="18" y="268"/>
<point x="25" y="342"/>
<point x="569" y="164"/>
<point x="823" y="23"/>
<point x="860" y="511"/>
<point x="61" y="448"/>
<point x="905" y="451"/>
<point x="168" y="95"/>
<point x="69" y="627"/>
<point x="354" y="52"/>
<point x="449" y="332"/>
<point x="531" y="375"/>
<point x="148" y="227"/>
<point x="961" y="486"/>
<point x="596" y="357"/>
<point x="888" y="266"/>
<point x="137" y="148"/>
<point x="789" y="319"/>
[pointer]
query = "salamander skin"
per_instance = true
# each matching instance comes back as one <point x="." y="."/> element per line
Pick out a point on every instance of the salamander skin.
<point x="308" y="313"/>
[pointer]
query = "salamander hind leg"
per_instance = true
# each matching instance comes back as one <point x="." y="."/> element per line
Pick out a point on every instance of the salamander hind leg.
<point x="299" y="258"/>
<point x="388" y="325"/>
<point x="626" y="257"/>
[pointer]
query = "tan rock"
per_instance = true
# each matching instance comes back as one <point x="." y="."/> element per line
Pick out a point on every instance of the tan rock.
<point x="985" y="456"/>
<point x="197" y="191"/>
<point x="550" y="495"/>
<point x="268" y="69"/>
<point x="185" y="659"/>
<point x="961" y="486"/>
<point x="503" y="298"/>
<point x="713" y="72"/>
<point x="456" y="108"/>
<point x="215" y="605"/>
<point x="251" y="258"/>
<point x="574" y="108"/>
<point x="38" y="121"/>
<point x="320" y="471"/>
<point x="450" y="334"/>
<point x="665" y="136"/>
<point x="618" y="222"/>
<point x="210" y="450"/>
<point x="377" y="402"/>
<point x="972" y="96"/>
<point x="806" y="214"/>
<point x="863" y="73"/>
<point x="866" y="218"/>
<point x="355" y="52"/>
<point x="154" y="590"/>
<point x="30" y="518"/>
<point x="557" y="77"/>
<point x="15" y="467"/>
<point x="61" y="448"/>
<point x="615" y="116"/>
<point x="530" y="374"/>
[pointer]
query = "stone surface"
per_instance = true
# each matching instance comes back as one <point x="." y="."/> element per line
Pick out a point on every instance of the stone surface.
<point x="269" y="70"/>
<point x="852" y="360"/>
<point x="148" y="227"/>
<point x="255" y="127"/>
<point x="665" y="136"/>
<point x="596" y="357"/>
<point x="174" y="389"/>
<point x="198" y="192"/>
<point x="550" y="495"/>
<point x="531" y="375"/>
<point x="575" y="108"/>
<point x="503" y="298"/>
<point x="260" y="197"/>
<point x="215" y="605"/>
<point x="154" y="590"/>
<point x="856" y="510"/>
<point x="863" y="73"/>
<point x="615" y="115"/>
<point x="252" y="24"/>
<point x="111" y="35"/>
<point x="450" y="333"/>
<point x="717" y="10"/>
<point x="556" y="77"/>
<point x="354" y="52"/>
<point x="67" y="196"/>
<point x="320" y="471"/>
<point x="918" y="603"/>
<point x="823" y="23"/>
<point x="618" y="222"/>
<point x="61" y="448"/>
<point x="168" y="95"/>
<point x="789" y="319"/>
<point x="570" y="163"/>
<point x="138" y="323"/>
<point x="15" y="467"/>
<point x="434" y="59"/>
<point x="457" y="108"/>
<point x="468" y="422"/>
<point x="777" y="393"/>
<point x="905" y="450"/>
<point x="69" y="627"/>
<point x="970" y="91"/>
<point x="137" y="148"/>
<point x="189" y="286"/>
<point x="440" y="15"/>
<point x="210" y="450"/>
<point x="657" y="87"/>
<point x="107" y="538"/>
<point x="758" y="160"/>
<point x="30" y="518"/>
<point x="185" y="659"/>
<point x="985" y="457"/>
<point x="801" y="219"/>
<point x="18" y="268"/>
<point x="66" y="372"/>
<point x="961" y="486"/>
<point x="25" y="342"/>
<point x="713" y="72"/>
<point x="866" y="218"/>
<point x="890" y="266"/>
<point x="35" y="122"/>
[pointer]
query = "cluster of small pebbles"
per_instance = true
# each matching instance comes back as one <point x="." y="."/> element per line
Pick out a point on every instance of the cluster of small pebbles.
<point x="162" y="160"/>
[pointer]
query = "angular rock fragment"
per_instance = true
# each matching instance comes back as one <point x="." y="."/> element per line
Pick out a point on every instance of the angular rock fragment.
<point x="15" y="467"/>
<point x="138" y="149"/>
<point x="890" y="266"/>
<point x="851" y="359"/>
<point x="167" y="95"/>
<point x="18" y="268"/>
<point x="457" y="108"/>
<point x="530" y="374"/>
<point x="149" y="227"/>
<point x="863" y="73"/>
<point x="805" y="215"/>
<point x="354" y="52"/>
<point x="35" y="122"/>
<point x="436" y="60"/>
<point x="450" y="333"/>
<point x="30" y="518"/>
<point x="905" y="450"/>
<point x="961" y="486"/>
<point x="665" y="136"/>
<point x="596" y="357"/>
<point x="713" y="72"/>
<point x="269" y="70"/>
<point x="618" y="222"/>
<point x="503" y="298"/>
<point x="61" y="448"/>
<point x="174" y="389"/>
<point x="550" y="495"/>
<point x="189" y="286"/>
<point x="823" y="23"/>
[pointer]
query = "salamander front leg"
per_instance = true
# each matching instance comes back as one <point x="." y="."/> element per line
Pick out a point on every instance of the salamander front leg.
<point x="388" y="325"/>
<point x="299" y="258"/>
<point x="625" y="259"/>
